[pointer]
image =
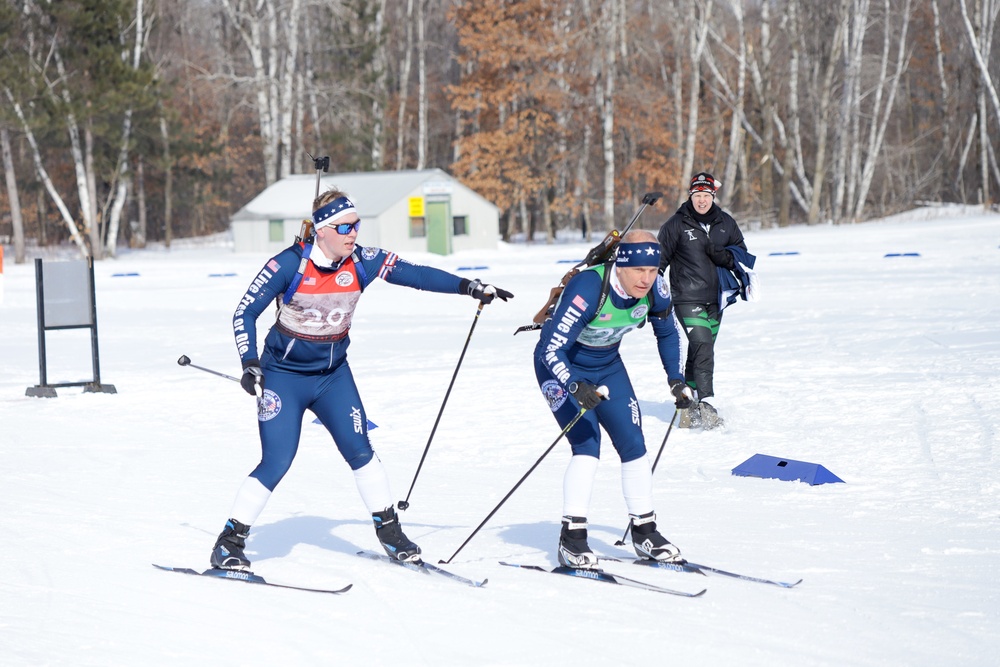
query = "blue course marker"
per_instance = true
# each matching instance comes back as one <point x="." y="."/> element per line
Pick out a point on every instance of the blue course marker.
<point x="221" y="275"/>
<point x="902" y="254"/>
<point x="793" y="252"/>
<point x="569" y="261"/>
<point x="130" y="274"/>
<point x="472" y="268"/>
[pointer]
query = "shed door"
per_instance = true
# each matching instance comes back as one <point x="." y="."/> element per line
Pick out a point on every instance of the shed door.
<point x="438" y="216"/>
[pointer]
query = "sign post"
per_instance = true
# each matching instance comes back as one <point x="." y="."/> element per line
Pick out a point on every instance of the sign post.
<point x="66" y="300"/>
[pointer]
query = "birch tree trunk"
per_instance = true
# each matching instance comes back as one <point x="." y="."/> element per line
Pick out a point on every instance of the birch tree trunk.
<point x="43" y="176"/>
<point x="121" y="178"/>
<point x="793" y="141"/>
<point x="404" y="87"/>
<point x="767" y="102"/>
<point x="286" y="99"/>
<point x="380" y="92"/>
<point x="273" y="62"/>
<point x="981" y="47"/>
<point x="606" y="103"/>
<point x="168" y="183"/>
<point x="15" y="202"/>
<point x="735" y="127"/>
<point x="822" y="128"/>
<point x="139" y="237"/>
<point x="309" y="87"/>
<point x="88" y="207"/>
<point x="96" y="227"/>
<point x="965" y="156"/>
<point x="422" y="89"/>
<point x="880" y="117"/>
<point x="696" y="46"/>
<point x="942" y="78"/>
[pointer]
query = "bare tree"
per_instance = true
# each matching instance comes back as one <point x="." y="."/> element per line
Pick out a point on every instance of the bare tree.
<point x="15" y="202"/>
<point x="44" y="177"/>
<point x="269" y="31"/>
<point x="981" y="46"/>
<point x="880" y="114"/>
<point x="697" y="37"/>
<point x="825" y="93"/>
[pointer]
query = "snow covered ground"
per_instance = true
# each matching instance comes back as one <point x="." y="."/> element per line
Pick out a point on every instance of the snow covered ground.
<point x="886" y="370"/>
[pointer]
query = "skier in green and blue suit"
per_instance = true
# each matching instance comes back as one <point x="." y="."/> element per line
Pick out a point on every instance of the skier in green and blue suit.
<point x="578" y="366"/>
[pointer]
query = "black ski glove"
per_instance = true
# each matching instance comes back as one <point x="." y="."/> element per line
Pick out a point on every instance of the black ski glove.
<point x="253" y="377"/>
<point x="485" y="293"/>
<point x="682" y="393"/>
<point x="587" y="395"/>
<point x="720" y="256"/>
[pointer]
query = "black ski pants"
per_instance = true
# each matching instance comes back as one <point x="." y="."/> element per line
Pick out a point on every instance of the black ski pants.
<point x="700" y="322"/>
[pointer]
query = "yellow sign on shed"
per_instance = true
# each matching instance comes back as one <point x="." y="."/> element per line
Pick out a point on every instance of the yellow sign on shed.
<point x="416" y="207"/>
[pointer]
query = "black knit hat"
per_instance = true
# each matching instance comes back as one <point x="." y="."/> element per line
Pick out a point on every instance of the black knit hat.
<point x="704" y="182"/>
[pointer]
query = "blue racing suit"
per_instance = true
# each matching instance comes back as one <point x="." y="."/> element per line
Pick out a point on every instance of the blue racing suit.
<point x="580" y="344"/>
<point x="305" y="352"/>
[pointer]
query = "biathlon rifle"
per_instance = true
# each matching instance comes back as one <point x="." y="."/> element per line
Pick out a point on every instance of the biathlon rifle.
<point x="601" y="253"/>
<point x="322" y="164"/>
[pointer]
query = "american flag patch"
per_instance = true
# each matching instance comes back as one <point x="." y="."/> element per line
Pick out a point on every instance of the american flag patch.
<point x="604" y="317"/>
<point x="388" y="265"/>
<point x="273" y="265"/>
<point x="308" y="280"/>
<point x="579" y="302"/>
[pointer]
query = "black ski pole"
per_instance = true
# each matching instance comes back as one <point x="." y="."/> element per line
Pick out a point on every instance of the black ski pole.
<point x="405" y="504"/>
<point x="621" y="542"/>
<point x="185" y="361"/>
<point x="511" y="492"/>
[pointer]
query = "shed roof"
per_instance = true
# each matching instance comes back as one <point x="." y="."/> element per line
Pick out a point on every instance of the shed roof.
<point x="372" y="191"/>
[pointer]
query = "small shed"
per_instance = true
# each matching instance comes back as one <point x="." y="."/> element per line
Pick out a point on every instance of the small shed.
<point x="424" y="210"/>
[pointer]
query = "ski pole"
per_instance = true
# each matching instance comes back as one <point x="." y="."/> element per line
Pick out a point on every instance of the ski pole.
<point x="185" y="361"/>
<point x="601" y="390"/>
<point x="621" y="542"/>
<point x="405" y="504"/>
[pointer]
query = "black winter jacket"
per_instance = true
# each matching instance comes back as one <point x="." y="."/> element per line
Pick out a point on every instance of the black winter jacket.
<point x="684" y="246"/>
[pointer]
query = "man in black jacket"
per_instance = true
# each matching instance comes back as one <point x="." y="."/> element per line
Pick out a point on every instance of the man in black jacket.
<point x="693" y="243"/>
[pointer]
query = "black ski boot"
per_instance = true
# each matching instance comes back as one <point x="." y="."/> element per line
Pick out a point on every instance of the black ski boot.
<point x="395" y="543"/>
<point x="228" y="552"/>
<point x="573" y="548"/>
<point x="647" y="541"/>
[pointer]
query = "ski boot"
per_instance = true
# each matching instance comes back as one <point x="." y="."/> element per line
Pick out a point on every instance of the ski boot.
<point x="397" y="545"/>
<point x="228" y="552"/>
<point x="573" y="548"/>
<point x="647" y="541"/>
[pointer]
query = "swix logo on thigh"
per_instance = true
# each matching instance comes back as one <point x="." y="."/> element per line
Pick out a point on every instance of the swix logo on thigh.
<point x="268" y="406"/>
<point x="634" y="407"/>
<point x="356" y="418"/>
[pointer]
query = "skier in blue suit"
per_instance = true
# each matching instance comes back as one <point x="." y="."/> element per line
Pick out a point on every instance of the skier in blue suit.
<point x="304" y="364"/>
<point x="578" y="366"/>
